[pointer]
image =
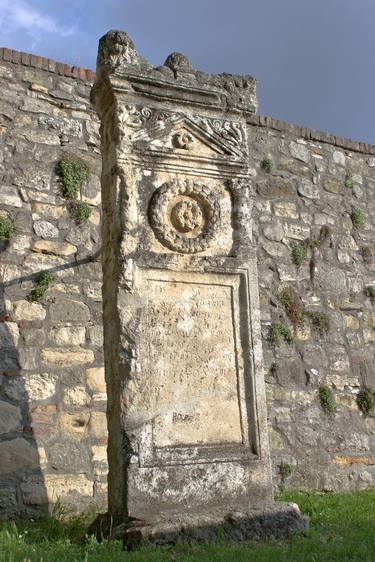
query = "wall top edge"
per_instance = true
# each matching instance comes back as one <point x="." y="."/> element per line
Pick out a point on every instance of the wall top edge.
<point x="48" y="65"/>
<point x="311" y="134"/>
<point x="87" y="75"/>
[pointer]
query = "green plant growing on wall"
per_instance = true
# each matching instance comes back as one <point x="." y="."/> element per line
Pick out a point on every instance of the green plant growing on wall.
<point x="6" y="228"/>
<point x="366" y="401"/>
<point x="285" y="470"/>
<point x="43" y="282"/>
<point x="293" y="305"/>
<point x="72" y="173"/>
<point x="349" y="182"/>
<point x="81" y="211"/>
<point x="358" y="217"/>
<point x="371" y="293"/>
<point x="320" y="322"/>
<point x="266" y="164"/>
<point x="278" y="332"/>
<point x="299" y="253"/>
<point x="327" y="400"/>
<point x="367" y="254"/>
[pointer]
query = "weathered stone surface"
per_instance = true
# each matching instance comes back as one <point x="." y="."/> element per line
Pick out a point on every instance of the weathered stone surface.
<point x="40" y="387"/>
<point x="66" y="310"/>
<point x="45" y="229"/>
<point x="24" y="310"/>
<point x="182" y="328"/>
<point x="96" y="380"/>
<point x="10" y="418"/>
<point x="57" y="248"/>
<point x="68" y="335"/>
<point x="56" y="396"/>
<point x="17" y="454"/>
<point x="66" y="357"/>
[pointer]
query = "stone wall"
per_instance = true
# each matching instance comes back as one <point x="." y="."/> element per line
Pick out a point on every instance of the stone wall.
<point x="52" y="410"/>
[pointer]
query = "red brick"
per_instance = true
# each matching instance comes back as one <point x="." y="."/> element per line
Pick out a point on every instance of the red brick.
<point x="60" y="68"/>
<point x="7" y="55"/>
<point x="51" y="65"/>
<point x="16" y="57"/>
<point x="25" y="59"/>
<point x="90" y="75"/>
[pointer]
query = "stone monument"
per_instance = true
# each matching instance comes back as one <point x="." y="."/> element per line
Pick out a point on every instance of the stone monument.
<point x="188" y="445"/>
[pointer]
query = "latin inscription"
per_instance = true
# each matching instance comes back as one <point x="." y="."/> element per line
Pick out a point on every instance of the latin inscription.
<point x="188" y="356"/>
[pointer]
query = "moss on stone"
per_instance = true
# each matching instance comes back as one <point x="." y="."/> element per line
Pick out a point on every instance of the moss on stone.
<point x="6" y="228"/>
<point x="327" y="399"/>
<point x="72" y="172"/>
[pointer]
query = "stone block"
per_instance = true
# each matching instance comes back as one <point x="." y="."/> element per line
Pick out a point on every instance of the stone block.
<point x="45" y="229"/>
<point x="10" y="418"/>
<point x="56" y="248"/>
<point x="66" y="488"/>
<point x="98" y="425"/>
<point x="96" y="379"/>
<point x="68" y="311"/>
<point x="40" y="386"/>
<point x="43" y="421"/>
<point x="30" y="311"/>
<point x="66" y="357"/>
<point x="76" y="397"/>
<point x="17" y="454"/>
<point x="68" y="335"/>
<point x="74" y="425"/>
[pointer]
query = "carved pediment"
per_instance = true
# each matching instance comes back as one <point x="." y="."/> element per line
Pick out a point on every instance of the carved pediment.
<point x="185" y="136"/>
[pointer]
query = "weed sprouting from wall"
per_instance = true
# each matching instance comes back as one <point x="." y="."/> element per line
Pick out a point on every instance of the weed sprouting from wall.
<point x="6" y="228"/>
<point x="366" y="401"/>
<point x="293" y="305"/>
<point x="43" y="282"/>
<point x="349" y="182"/>
<point x="299" y="253"/>
<point x="327" y="400"/>
<point x="358" y="217"/>
<point x="81" y="211"/>
<point x="280" y="332"/>
<point x="266" y="164"/>
<point x="320" y="322"/>
<point x="371" y="293"/>
<point x="285" y="470"/>
<point x="72" y="173"/>
<point x="367" y="254"/>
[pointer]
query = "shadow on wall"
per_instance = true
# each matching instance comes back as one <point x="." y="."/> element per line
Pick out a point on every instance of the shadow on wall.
<point x="28" y="416"/>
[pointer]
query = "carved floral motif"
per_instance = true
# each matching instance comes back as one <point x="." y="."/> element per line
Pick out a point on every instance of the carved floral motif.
<point x="185" y="216"/>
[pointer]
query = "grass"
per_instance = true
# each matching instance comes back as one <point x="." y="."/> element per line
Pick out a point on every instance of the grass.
<point x="72" y="172"/>
<point x="327" y="399"/>
<point x="358" y="217"/>
<point x="341" y="530"/>
<point x="43" y="282"/>
<point x="81" y="211"/>
<point x="278" y="332"/>
<point x="6" y="228"/>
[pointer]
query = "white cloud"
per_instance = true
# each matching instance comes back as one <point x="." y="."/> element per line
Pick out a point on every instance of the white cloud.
<point x="18" y="15"/>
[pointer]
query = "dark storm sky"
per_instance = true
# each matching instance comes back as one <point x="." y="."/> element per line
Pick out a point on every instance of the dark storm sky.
<point x="313" y="58"/>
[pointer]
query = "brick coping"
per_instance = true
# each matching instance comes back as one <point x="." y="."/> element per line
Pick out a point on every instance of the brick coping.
<point x="87" y="75"/>
<point x="49" y="65"/>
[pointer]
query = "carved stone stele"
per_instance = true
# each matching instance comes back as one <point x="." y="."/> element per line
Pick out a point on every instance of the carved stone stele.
<point x="188" y="444"/>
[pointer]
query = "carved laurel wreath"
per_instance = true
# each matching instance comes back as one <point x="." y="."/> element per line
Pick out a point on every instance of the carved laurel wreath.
<point x="196" y="197"/>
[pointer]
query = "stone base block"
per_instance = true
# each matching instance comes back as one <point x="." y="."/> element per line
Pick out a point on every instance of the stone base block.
<point x="274" y="521"/>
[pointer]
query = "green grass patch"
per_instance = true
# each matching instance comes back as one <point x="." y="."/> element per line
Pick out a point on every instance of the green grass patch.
<point x="266" y="164"/>
<point x="6" y="228"/>
<point x="42" y="283"/>
<point x="358" y="217"/>
<point x="327" y="399"/>
<point x="279" y="332"/>
<point x="341" y="530"/>
<point x="72" y="173"/>
<point x="81" y="211"/>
